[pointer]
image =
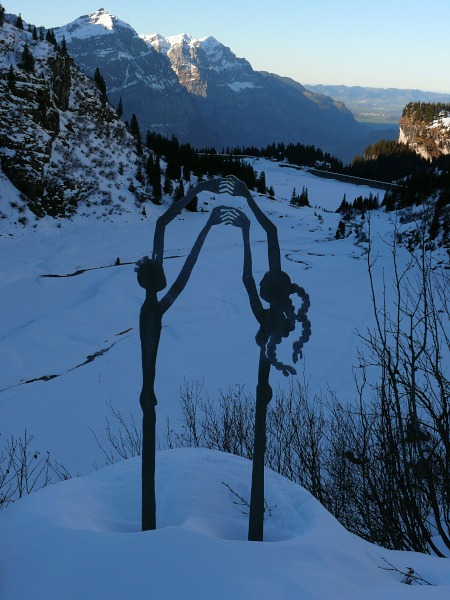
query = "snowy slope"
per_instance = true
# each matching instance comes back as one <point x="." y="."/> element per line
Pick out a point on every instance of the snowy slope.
<point x="51" y="325"/>
<point x="70" y="344"/>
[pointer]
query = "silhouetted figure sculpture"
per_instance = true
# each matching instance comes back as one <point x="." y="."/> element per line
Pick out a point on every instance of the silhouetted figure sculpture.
<point x="276" y="323"/>
<point x="150" y="275"/>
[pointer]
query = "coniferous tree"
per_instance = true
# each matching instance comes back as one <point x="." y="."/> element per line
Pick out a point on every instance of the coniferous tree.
<point x="186" y="172"/>
<point x="156" y="181"/>
<point x="63" y="50"/>
<point x="303" y="198"/>
<point x="179" y="191"/>
<point x="261" y="183"/>
<point x="35" y="35"/>
<point x="136" y="133"/>
<point x="101" y="84"/>
<point x="192" y="206"/>
<point x="168" y="185"/>
<point x="2" y="15"/>
<point x="50" y="37"/>
<point x="140" y="175"/>
<point x="293" y="201"/>
<point x="340" y="231"/>
<point x="27" y="63"/>
<point x="41" y="34"/>
<point x="19" y="22"/>
<point x="11" y="77"/>
<point x="120" y="109"/>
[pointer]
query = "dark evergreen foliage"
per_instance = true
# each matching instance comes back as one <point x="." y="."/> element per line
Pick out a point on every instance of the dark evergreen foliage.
<point x="299" y="200"/>
<point x="426" y="111"/>
<point x="120" y="109"/>
<point x="63" y="51"/>
<point x="183" y="158"/>
<point x="100" y="83"/>
<point x="19" y="22"/>
<point x="340" y="231"/>
<point x="11" y="77"/>
<point x="179" y="191"/>
<point x="27" y="63"/>
<point x="2" y="15"/>
<point x="296" y="154"/>
<point x="386" y="160"/>
<point x="359" y="206"/>
<point x="153" y="172"/>
<point x="50" y="37"/>
<point x="261" y="183"/>
<point x="136" y="133"/>
<point x="193" y="204"/>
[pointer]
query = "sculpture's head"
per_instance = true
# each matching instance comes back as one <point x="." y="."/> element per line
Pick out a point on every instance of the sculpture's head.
<point x="150" y="275"/>
<point x="276" y="287"/>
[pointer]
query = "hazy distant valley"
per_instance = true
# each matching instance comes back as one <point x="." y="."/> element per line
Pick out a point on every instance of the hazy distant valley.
<point x="376" y="105"/>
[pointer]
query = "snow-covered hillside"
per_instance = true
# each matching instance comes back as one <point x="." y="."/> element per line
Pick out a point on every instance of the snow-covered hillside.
<point x="61" y="143"/>
<point x="70" y="345"/>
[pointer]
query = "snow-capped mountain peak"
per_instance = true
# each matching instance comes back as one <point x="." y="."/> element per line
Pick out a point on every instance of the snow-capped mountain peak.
<point x="100" y="22"/>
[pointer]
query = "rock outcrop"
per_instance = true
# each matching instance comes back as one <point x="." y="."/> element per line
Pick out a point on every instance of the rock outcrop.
<point x="425" y="128"/>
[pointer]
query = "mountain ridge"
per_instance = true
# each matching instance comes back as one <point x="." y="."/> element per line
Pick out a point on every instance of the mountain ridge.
<point x="200" y="91"/>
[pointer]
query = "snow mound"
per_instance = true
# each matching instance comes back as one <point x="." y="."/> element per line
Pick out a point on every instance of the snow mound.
<point x="82" y="539"/>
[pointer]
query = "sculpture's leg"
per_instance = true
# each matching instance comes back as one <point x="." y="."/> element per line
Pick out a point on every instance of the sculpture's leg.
<point x="148" y="469"/>
<point x="263" y="397"/>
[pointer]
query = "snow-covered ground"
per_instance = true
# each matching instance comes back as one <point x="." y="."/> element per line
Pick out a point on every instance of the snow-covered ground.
<point x="82" y="540"/>
<point x="50" y="325"/>
<point x="70" y="345"/>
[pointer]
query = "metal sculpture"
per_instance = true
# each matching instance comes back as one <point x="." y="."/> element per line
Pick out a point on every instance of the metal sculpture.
<point x="151" y="276"/>
<point x="275" y="323"/>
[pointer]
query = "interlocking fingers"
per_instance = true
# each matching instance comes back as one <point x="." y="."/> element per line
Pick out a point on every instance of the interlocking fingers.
<point x="229" y="215"/>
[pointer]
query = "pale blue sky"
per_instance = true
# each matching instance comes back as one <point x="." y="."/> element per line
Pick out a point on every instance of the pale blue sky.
<point x="382" y="43"/>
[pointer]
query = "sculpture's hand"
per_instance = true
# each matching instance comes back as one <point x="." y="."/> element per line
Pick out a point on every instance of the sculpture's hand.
<point x="215" y="218"/>
<point x="234" y="186"/>
<point x="229" y="216"/>
<point x="210" y="185"/>
<point x="234" y="216"/>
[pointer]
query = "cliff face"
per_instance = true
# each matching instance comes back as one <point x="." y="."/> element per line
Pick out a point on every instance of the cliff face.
<point x="425" y="128"/>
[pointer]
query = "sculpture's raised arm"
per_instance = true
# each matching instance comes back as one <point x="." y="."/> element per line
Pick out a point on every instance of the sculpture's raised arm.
<point x="236" y="187"/>
<point x="218" y="215"/>
<point x="211" y="185"/>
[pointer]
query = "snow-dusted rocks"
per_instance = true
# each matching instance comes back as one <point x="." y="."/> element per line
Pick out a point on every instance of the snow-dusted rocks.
<point x="429" y="137"/>
<point x="60" y="143"/>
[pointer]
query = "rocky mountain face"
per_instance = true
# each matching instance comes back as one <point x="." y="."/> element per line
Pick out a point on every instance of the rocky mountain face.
<point x="61" y="144"/>
<point x="426" y="129"/>
<point x="200" y="91"/>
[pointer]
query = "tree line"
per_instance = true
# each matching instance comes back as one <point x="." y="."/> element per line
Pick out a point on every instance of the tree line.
<point x="426" y="111"/>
